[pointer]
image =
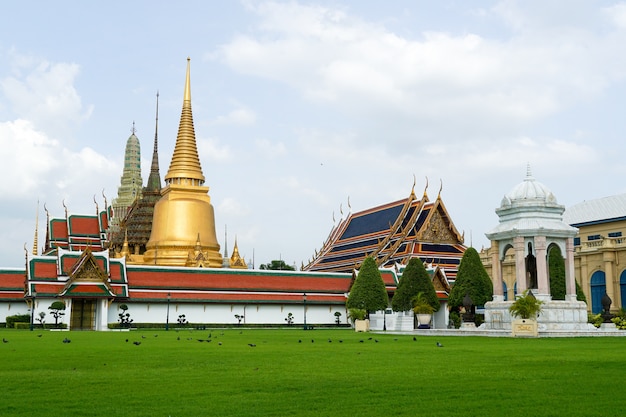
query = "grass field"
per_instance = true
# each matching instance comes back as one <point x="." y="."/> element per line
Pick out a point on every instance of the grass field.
<point x="174" y="374"/>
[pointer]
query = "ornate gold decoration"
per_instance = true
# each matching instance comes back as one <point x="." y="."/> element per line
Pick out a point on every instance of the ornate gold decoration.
<point x="184" y="217"/>
<point x="236" y="261"/>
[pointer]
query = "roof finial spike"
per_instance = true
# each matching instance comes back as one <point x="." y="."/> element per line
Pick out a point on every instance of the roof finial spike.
<point x="529" y="173"/>
<point x="185" y="164"/>
<point x="187" y="96"/>
<point x="426" y="188"/>
<point x="35" y="242"/>
<point x="154" y="179"/>
<point x="440" y="188"/>
<point x="133" y="130"/>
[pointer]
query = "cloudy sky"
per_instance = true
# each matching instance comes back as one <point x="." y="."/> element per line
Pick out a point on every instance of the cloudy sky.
<point x="300" y="106"/>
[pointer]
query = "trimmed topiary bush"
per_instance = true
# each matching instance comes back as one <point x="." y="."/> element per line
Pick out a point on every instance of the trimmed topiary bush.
<point x="368" y="291"/>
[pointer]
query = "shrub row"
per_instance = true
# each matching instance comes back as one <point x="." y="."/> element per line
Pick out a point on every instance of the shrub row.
<point x="17" y="318"/>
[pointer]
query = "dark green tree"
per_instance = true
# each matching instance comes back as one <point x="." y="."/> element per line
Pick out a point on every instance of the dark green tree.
<point x="471" y="278"/>
<point x="414" y="279"/>
<point x="556" y="268"/>
<point x="368" y="291"/>
<point x="57" y="309"/>
<point x="277" y="265"/>
<point x="556" y="271"/>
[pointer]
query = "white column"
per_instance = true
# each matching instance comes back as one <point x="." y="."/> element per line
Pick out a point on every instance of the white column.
<point x="542" y="266"/>
<point x="520" y="264"/>
<point x="570" y="279"/>
<point x="496" y="272"/>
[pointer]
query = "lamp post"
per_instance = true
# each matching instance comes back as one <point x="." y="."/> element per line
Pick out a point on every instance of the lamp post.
<point x="385" y="319"/>
<point x="167" y="319"/>
<point x="32" y="310"/>
<point x="304" y="298"/>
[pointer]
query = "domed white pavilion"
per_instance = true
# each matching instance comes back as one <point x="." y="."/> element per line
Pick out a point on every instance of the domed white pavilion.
<point x="531" y="222"/>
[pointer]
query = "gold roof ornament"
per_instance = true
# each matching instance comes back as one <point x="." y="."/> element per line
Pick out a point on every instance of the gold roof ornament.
<point x="184" y="218"/>
<point x="185" y="164"/>
<point x="35" y="239"/>
<point x="236" y="261"/>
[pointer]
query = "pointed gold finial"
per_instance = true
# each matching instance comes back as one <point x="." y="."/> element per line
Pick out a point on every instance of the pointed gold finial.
<point x="35" y="240"/>
<point x="440" y="188"/>
<point x="426" y="188"/>
<point x="185" y="166"/>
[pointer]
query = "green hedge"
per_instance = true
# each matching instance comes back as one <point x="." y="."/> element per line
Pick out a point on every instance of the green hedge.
<point x="11" y="320"/>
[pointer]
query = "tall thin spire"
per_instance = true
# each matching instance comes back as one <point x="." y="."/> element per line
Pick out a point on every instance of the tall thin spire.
<point x="35" y="240"/>
<point x="154" y="179"/>
<point x="185" y="166"/>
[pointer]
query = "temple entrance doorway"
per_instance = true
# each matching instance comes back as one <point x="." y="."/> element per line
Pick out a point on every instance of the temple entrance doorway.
<point x="83" y="314"/>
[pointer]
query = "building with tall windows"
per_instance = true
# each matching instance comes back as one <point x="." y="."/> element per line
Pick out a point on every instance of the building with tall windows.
<point x="600" y="249"/>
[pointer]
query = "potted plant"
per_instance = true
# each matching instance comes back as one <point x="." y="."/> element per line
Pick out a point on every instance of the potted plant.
<point x="526" y="307"/>
<point x="423" y="310"/>
<point x="357" y="315"/>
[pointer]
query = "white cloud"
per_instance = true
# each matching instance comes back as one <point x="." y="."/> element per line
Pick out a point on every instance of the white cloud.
<point x="367" y="69"/>
<point x="43" y="93"/>
<point x="28" y="157"/>
<point x="212" y="149"/>
<point x="269" y="149"/>
<point x="240" y="116"/>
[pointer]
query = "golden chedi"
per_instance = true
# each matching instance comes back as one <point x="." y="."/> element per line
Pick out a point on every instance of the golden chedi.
<point x="183" y="226"/>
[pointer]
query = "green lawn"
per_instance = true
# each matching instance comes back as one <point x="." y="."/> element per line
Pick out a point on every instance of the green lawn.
<point x="173" y="374"/>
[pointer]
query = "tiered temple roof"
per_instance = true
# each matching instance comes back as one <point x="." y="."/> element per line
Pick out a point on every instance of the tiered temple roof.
<point x="137" y="225"/>
<point x="393" y="233"/>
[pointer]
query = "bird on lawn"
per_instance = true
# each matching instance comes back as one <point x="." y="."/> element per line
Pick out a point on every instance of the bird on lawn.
<point x="251" y="345"/>
<point x="439" y="344"/>
<point x="414" y="338"/>
<point x="136" y="343"/>
<point x="4" y="340"/>
<point x="66" y="340"/>
<point x="39" y="335"/>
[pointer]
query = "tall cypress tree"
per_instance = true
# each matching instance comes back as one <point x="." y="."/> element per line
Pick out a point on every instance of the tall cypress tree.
<point x="556" y="268"/>
<point x="471" y="278"/>
<point x="368" y="291"/>
<point x="414" y="279"/>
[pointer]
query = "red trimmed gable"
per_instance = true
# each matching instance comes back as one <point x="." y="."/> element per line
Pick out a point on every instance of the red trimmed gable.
<point x="43" y="268"/>
<point x="244" y="280"/>
<point x="87" y="290"/>
<point x="12" y="284"/>
<point x="87" y="226"/>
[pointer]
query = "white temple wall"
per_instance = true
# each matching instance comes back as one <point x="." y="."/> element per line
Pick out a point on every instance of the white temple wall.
<point x="11" y="308"/>
<point x="225" y="313"/>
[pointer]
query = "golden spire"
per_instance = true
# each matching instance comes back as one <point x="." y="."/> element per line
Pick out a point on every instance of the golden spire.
<point x="185" y="166"/>
<point x="236" y="261"/>
<point x="35" y="242"/>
